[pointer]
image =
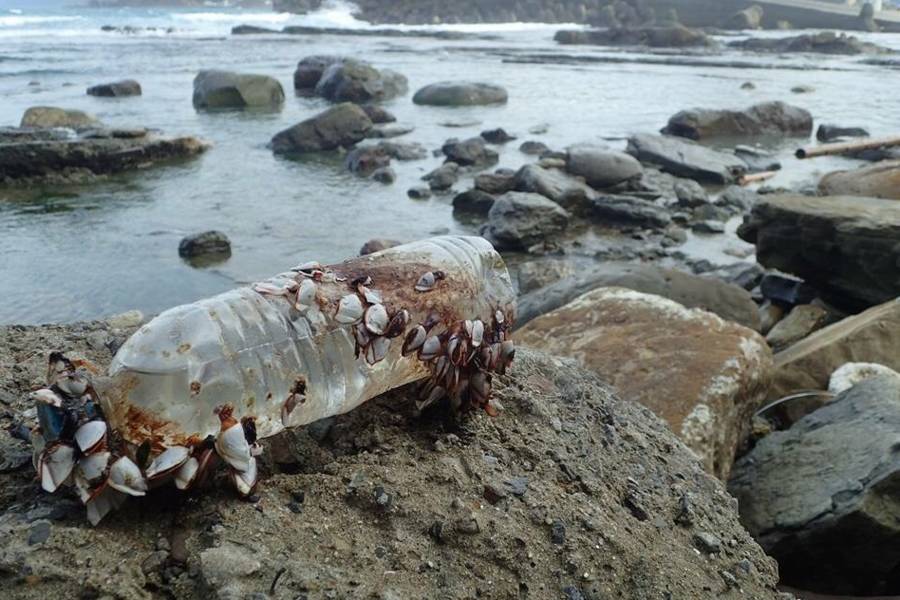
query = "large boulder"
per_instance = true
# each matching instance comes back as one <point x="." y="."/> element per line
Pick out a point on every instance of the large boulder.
<point x="518" y="220"/>
<point x="822" y="496"/>
<point x="767" y="118"/>
<point x="847" y="246"/>
<point x="825" y="42"/>
<point x="44" y="117"/>
<point x="351" y="80"/>
<point x="564" y="189"/>
<point x="340" y="126"/>
<point x="452" y="93"/>
<point x="685" y="158"/>
<point x="730" y="302"/>
<point x="225" y="89"/>
<point x="568" y="466"/>
<point x="872" y="336"/>
<point x="881" y="180"/>
<point x="619" y="210"/>
<point x="675" y="36"/>
<point x="310" y="69"/>
<point x="601" y="167"/>
<point x="702" y="375"/>
<point x="469" y="153"/>
<point x="116" y="89"/>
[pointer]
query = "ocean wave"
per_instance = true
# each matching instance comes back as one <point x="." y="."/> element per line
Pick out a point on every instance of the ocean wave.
<point x="231" y="17"/>
<point x="23" y="20"/>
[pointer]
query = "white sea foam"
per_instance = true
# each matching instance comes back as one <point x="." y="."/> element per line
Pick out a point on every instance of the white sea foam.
<point x="20" y="20"/>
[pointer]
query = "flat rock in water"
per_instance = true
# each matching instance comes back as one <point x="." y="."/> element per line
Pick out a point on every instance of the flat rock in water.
<point x="42" y="117"/>
<point x="685" y="158"/>
<point x="225" y="89"/>
<point x="830" y="133"/>
<point x="846" y="246"/>
<point x="350" y="80"/>
<point x="729" y="301"/>
<point x="473" y="203"/>
<point x="569" y="192"/>
<point x="470" y="152"/>
<point x="618" y="210"/>
<point x="116" y="89"/>
<point x="340" y="126"/>
<point x="518" y="220"/>
<point x="462" y="93"/>
<point x="872" y="336"/>
<point x="881" y="180"/>
<point x="602" y="167"/>
<point x="675" y="36"/>
<point x="767" y="118"/>
<point x="704" y="376"/>
<point x="204" y="244"/>
<point x="826" y="42"/>
<point x="822" y="497"/>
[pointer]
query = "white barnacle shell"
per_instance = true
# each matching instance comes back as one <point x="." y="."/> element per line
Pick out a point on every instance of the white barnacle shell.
<point x="377" y="350"/>
<point x="102" y="503"/>
<point x="186" y="474"/>
<point x="431" y="347"/>
<point x="233" y="447"/>
<point x="47" y="396"/>
<point x="169" y="460"/>
<point x="476" y="335"/>
<point x="125" y="476"/>
<point x="57" y="463"/>
<point x="306" y="294"/>
<point x="426" y="282"/>
<point x="371" y="296"/>
<point x="90" y="435"/>
<point x="376" y="319"/>
<point x="93" y="466"/>
<point x="414" y="339"/>
<point x="350" y="309"/>
<point x="245" y="480"/>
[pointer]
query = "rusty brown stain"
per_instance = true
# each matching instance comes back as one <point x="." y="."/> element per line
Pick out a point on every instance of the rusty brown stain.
<point x="195" y="388"/>
<point x="185" y="347"/>
<point x="299" y="388"/>
<point x="141" y="425"/>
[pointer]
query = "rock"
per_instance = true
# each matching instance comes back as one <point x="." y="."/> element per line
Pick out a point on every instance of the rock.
<point x="830" y="133"/>
<point x="444" y="177"/>
<point x="786" y="289"/>
<point x="579" y="475"/>
<point x="820" y="497"/>
<point x="497" y="136"/>
<point x="497" y="183"/>
<point x="378" y="114"/>
<point x="736" y="197"/>
<point x="48" y="116"/>
<point x="881" y="180"/>
<point x="470" y="152"/>
<point x="310" y="69"/>
<point x="562" y="188"/>
<point x="826" y="42"/>
<point x="767" y="118"/>
<point x="350" y="80"/>
<point x="708" y="226"/>
<point x="204" y="244"/>
<point x="676" y="36"/>
<point x="600" y="167"/>
<point x="799" y="323"/>
<point x="365" y="160"/>
<point x="707" y="542"/>
<point x="690" y="194"/>
<point x="419" y="192"/>
<point x="377" y="245"/>
<point x="730" y="302"/>
<point x="385" y="175"/>
<point x="534" y="148"/>
<point x="849" y="374"/>
<point x="389" y="131"/>
<point x="226" y="89"/>
<point x="685" y="158"/>
<point x="870" y="336"/>
<point x="802" y="89"/>
<point x="251" y="30"/>
<point x="748" y="85"/>
<point x="116" y="89"/>
<point x="748" y="18"/>
<point x="41" y="157"/>
<point x="339" y="126"/>
<point x="616" y="210"/>
<point x="846" y="246"/>
<point x="704" y="376"/>
<point x="473" y="203"/>
<point x="451" y="93"/>
<point x="518" y="220"/>
<point x="537" y="274"/>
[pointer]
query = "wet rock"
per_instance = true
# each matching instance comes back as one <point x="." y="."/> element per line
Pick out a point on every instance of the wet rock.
<point x="251" y="30"/>
<point x="339" y="126"/>
<point x="848" y="247"/>
<point x="748" y="18"/>
<point x="601" y="167"/>
<point x="378" y="114"/>
<point x="616" y="210"/>
<point x="729" y="301"/>
<point x="499" y="182"/>
<point x="802" y="89"/>
<point x="443" y="177"/>
<point x="767" y="118"/>
<point x="49" y="116"/>
<point x="537" y="274"/>
<point x="365" y="160"/>
<point x="881" y="180"/>
<point x="116" y="89"/>
<point x="419" y="192"/>
<point x="39" y="533"/>
<point x="711" y="227"/>
<point x="351" y="80"/>
<point x="830" y="133"/>
<point x="707" y="542"/>
<point x="226" y="89"/>
<point x="310" y="69"/>
<point x="676" y="36"/>
<point x="518" y="220"/>
<point x="738" y="198"/>
<point x="385" y="175"/>
<point x="870" y="336"/>
<point x="389" y="131"/>
<point x="534" y="148"/>
<point x="826" y="42"/>
<point x="690" y="194"/>
<point x="704" y="376"/>
<point x="685" y="158"/>
<point x="748" y="85"/>
<point x="204" y="244"/>
<point x="473" y="203"/>
<point x="821" y="496"/>
<point x="799" y="323"/>
<point x="450" y="93"/>
<point x="567" y="191"/>
<point x="497" y="136"/>
<point x="557" y="532"/>
<point x="470" y="152"/>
